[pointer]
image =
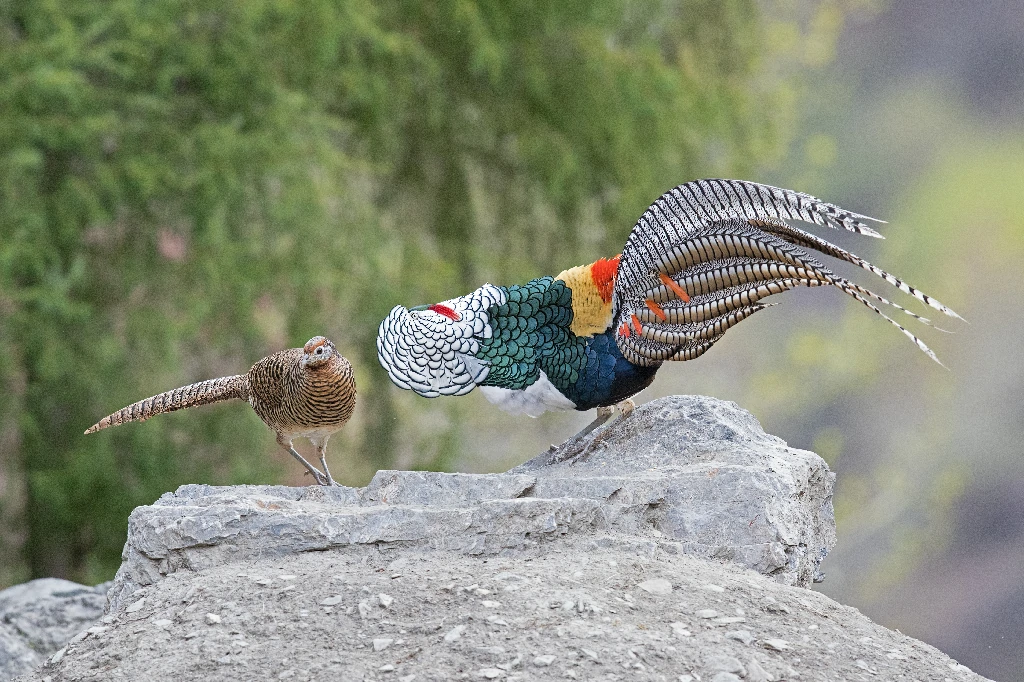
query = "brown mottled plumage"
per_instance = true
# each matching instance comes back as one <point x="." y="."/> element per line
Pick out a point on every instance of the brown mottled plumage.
<point x="307" y="392"/>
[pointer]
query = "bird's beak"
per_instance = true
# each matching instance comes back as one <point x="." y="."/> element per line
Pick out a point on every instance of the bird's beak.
<point x="419" y="308"/>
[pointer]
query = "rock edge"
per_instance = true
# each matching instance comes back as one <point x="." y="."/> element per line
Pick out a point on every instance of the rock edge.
<point x="690" y="474"/>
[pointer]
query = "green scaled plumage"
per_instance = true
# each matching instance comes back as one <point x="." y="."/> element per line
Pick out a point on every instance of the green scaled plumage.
<point x="530" y="334"/>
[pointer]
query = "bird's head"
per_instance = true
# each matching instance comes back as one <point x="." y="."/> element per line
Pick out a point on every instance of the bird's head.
<point x="317" y="352"/>
<point x="431" y="349"/>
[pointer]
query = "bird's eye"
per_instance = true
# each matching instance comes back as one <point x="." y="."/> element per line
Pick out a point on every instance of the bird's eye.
<point x="320" y="350"/>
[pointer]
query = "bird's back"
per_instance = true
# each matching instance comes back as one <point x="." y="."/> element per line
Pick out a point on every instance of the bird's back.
<point x="533" y="347"/>
<point x="557" y="331"/>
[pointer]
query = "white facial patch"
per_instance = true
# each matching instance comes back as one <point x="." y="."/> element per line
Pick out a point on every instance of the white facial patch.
<point x="432" y="354"/>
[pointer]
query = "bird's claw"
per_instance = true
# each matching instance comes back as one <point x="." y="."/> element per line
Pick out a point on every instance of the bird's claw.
<point x="579" y="447"/>
<point x="321" y="478"/>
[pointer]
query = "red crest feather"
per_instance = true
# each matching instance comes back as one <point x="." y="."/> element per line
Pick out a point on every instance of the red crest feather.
<point x="446" y="311"/>
<point x="603" y="273"/>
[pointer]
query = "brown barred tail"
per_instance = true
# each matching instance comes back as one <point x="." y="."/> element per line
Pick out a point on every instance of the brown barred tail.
<point x="202" y="393"/>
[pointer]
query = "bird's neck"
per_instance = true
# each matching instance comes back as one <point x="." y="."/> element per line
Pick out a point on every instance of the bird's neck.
<point x="592" y="286"/>
<point x="328" y="371"/>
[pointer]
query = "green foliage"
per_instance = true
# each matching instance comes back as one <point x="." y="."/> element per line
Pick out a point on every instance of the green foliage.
<point x="188" y="187"/>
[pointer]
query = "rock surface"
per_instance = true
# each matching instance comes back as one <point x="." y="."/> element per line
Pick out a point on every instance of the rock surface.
<point x="674" y="549"/>
<point x="563" y="610"/>
<point x="692" y="474"/>
<point x="39" y="617"/>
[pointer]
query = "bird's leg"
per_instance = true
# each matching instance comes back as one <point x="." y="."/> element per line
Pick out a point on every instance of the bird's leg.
<point x="287" y="445"/>
<point x="574" y="445"/>
<point x="624" y="408"/>
<point x="575" y="449"/>
<point x="321" y="449"/>
<point x="603" y="415"/>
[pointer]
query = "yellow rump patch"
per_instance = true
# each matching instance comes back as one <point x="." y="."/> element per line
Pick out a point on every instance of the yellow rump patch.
<point x="591" y="312"/>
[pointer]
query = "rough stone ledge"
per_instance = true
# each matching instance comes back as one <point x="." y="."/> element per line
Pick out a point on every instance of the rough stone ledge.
<point x="566" y="610"/>
<point x="687" y="474"/>
<point x="549" y="571"/>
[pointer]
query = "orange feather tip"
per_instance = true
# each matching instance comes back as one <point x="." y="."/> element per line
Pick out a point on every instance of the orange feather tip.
<point x="624" y="330"/>
<point x="636" y="324"/>
<point x="676" y="289"/>
<point x="656" y="309"/>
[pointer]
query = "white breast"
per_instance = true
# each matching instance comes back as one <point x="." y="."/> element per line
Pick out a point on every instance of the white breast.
<point x="536" y="399"/>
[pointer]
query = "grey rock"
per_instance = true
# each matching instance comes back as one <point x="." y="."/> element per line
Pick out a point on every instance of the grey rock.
<point x="725" y="677"/>
<point x="656" y="586"/>
<point x="454" y="634"/>
<point x="287" y="631"/>
<point x="729" y="664"/>
<point x="135" y="606"/>
<point x="543" y="559"/>
<point x="755" y="673"/>
<point x="39" y="617"/>
<point x="711" y="478"/>
<point x="776" y="644"/>
<point x="723" y="664"/>
<point x="744" y="636"/>
<point x="679" y="630"/>
<point x="685" y="474"/>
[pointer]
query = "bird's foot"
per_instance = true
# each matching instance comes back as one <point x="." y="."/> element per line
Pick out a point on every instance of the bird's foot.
<point x="625" y="408"/>
<point x="569" y="452"/>
<point x="573" y="445"/>
<point x="579" y="447"/>
<point x="321" y="479"/>
<point x="318" y="476"/>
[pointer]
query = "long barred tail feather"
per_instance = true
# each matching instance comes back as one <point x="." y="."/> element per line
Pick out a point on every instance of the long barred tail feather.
<point x="917" y="342"/>
<point x="841" y="283"/>
<point x="720" y="302"/>
<point x="702" y="256"/>
<point x="798" y="236"/>
<point x="715" y="199"/>
<point x="201" y="393"/>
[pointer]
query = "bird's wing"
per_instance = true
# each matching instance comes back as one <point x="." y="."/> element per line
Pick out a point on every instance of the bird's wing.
<point x="702" y="257"/>
<point x="268" y="379"/>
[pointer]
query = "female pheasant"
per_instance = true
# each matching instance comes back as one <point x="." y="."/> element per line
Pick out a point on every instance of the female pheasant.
<point x="308" y="391"/>
<point x="698" y="261"/>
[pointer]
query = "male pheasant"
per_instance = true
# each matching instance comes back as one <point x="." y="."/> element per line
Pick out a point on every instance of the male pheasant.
<point x="698" y="261"/>
<point x="307" y="391"/>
